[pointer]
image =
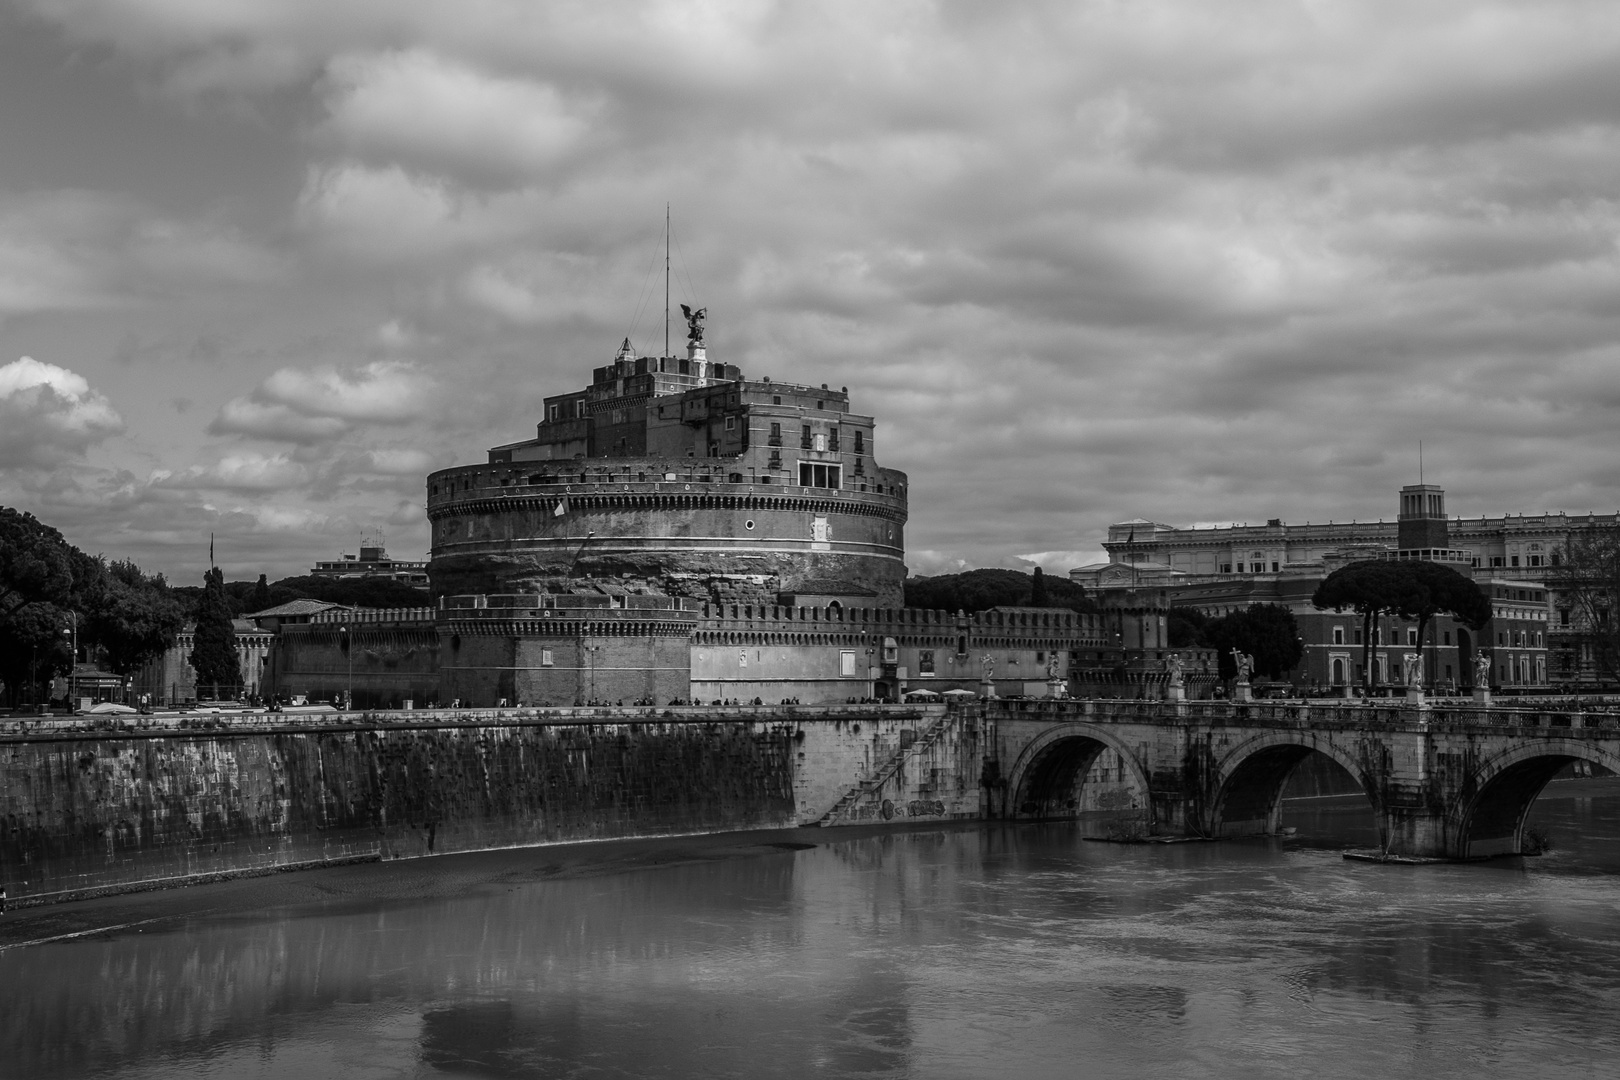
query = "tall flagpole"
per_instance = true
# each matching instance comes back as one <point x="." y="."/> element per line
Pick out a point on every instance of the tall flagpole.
<point x="666" y="279"/>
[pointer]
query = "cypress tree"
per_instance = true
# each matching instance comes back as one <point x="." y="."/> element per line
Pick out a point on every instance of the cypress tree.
<point x="214" y="655"/>
<point x="261" y="595"/>
<point x="1037" y="591"/>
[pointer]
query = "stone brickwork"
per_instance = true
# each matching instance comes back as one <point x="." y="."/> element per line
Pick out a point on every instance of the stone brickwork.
<point x="687" y="529"/>
<point x="105" y="810"/>
<point x="1441" y="781"/>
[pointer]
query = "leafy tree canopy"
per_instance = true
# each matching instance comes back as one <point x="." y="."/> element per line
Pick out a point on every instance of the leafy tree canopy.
<point x="1412" y="589"/>
<point x="979" y="590"/>
<point x="36" y="564"/>
<point x="1268" y="632"/>
<point x="131" y="616"/>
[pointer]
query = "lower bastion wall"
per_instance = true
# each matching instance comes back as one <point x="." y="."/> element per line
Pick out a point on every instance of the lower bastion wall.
<point x="84" y="811"/>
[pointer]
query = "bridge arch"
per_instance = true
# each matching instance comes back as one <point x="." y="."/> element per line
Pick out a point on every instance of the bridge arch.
<point x="1246" y="786"/>
<point x="1050" y="765"/>
<point x="1489" y="818"/>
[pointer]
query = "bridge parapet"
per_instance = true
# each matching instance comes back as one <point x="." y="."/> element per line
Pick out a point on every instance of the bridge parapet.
<point x="1315" y="713"/>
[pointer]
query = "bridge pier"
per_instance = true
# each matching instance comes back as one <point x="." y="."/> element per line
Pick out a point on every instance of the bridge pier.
<point x="1416" y="832"/>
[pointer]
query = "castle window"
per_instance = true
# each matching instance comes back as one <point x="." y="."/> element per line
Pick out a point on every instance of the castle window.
<point x="545" y="657"/>
<point x="776" y="459"/>
<point x="832" y="438"/>
<point x="804" y="437"/>
<point x="859" y="439"/>
<point x="846" y="664"/>
<point x="579" y="408"/>
<point x="860" y="467"/>
<point x="925" y="661"/>
<point x="1338" y="635"/>
<point x="822" y="476"/>
<point x="731" y="423"/>
<point x="554" y="412"/>
<point x="776" y="434"/>
<point x="776" y="399"/>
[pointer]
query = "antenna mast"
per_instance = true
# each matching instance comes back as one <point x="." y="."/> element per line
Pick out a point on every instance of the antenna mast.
<point x="666" y="279"/>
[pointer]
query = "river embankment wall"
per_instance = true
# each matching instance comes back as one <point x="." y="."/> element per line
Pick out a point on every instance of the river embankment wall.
<point x="101" y="806"/>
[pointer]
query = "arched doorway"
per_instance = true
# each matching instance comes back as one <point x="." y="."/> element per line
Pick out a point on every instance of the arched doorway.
<point x="1338" y="671"/>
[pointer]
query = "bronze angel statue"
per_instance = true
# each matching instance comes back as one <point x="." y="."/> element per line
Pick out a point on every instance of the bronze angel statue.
<point x="694" y="323"/>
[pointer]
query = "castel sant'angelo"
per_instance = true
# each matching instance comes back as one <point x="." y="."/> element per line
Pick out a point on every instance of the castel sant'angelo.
<point x="679" y="476"/>
<point x="676" y="531"/>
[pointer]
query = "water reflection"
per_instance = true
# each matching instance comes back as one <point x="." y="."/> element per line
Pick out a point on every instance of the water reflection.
<point x="1017" y="951"/>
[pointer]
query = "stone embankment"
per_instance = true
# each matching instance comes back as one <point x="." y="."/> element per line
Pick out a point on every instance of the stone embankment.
<point x="90" y="804"/>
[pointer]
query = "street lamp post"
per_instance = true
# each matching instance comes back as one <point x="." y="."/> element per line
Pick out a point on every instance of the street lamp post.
<point x="348" y="647"/>
<point x="73" y="661"/>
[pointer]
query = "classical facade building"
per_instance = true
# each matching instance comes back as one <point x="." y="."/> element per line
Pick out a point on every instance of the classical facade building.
<point x="1219" y="570"/>
<point x="373" y="562"/>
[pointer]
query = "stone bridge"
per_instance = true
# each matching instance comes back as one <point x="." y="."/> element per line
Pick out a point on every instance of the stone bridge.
<point x="1442" y="781"/>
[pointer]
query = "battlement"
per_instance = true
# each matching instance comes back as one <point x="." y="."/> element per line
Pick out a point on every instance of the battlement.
<point x="490" y="486"/>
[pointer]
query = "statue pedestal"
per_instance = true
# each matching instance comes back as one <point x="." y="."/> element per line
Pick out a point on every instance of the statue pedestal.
<point x="1414" y="695"/>
<point x="1347" y="691"/>
<point x="1482" y="696"/>
<point x="987" y="688"/>
<point x="1057" y="688"/>
<point x="1175" y="692"/>
<point x="1243" y="691"/>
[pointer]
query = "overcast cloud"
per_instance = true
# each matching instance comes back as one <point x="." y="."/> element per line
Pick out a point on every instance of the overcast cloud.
<point x="274" y="261"/>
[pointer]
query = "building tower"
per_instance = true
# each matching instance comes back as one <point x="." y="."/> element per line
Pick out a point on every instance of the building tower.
<point x="1421" y="526"/>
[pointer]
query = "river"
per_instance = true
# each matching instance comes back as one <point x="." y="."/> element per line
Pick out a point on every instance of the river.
<point x="1018" y="951"/>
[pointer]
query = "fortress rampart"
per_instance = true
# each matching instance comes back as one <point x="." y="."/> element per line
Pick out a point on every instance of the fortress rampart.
<point x="704" y="531"/>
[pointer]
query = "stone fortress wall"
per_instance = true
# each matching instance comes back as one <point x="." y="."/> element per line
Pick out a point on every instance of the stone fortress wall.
<point x="681" y="528"/>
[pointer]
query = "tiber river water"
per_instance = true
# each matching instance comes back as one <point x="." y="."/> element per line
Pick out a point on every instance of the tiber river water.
<point x="976" y="952"/>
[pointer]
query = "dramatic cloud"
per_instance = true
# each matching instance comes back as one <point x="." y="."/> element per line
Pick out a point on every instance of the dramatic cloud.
<point x="48" y="413"/>
<point x="1084" y="261"/>
<point x="304" y="406"/>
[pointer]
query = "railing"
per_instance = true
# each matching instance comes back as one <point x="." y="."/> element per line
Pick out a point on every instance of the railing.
<point x="247" y="721"/>
<point x="1302" y="714"/>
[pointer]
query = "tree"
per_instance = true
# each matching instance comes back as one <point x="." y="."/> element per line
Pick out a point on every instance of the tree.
<point x="1184" y="627"/>
<point x="132" y="617"/>
<point x="1369" y="588"/>
<point x="214" y="655"/>
<point x="1412" y="589"/>
<point x="1587" y="578"/>
<point x="261" y="596"/>
<point x="977" y="590"/>
<point x="1037" y="589"/>
<point x="36" y="564"/>
<point x="33" y="648"/>
<point x="1266" y="632"/>
<point x="1443" y="591"/>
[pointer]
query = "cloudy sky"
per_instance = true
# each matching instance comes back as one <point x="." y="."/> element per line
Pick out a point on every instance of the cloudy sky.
<point x="263" y="265"/>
